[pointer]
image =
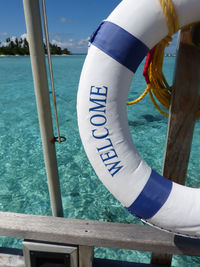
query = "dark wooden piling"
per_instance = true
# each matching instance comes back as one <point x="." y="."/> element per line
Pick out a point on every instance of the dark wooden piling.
<point x="184" y="106"/>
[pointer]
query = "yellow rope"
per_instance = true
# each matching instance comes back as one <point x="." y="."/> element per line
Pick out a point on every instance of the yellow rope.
<point x="158" y="86"/>
<point x="140" y="97"/>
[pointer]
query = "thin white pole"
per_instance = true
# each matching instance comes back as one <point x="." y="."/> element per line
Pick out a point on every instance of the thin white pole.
<point x="35" y="39"/>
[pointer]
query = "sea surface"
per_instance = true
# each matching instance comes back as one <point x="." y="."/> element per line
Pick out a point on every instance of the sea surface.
<point x="23" y="183"/>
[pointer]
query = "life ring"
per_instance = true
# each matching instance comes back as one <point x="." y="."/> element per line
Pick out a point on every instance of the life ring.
<point x="117" y="48"/>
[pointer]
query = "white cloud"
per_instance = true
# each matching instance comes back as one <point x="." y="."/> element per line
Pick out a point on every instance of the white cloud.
<point x="4" y="43"/>
<point x="74" y="46"/>
<point x="24" y="36"/>
<point x="62" y="44"/>
<point x="3" y="34"/>
<point x="63" y="19"/>
<point x="68" y="20"/>
<point x="13" y="38"/>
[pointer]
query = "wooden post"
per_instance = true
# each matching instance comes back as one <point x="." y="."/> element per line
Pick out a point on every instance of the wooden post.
<point x="85" y="256"/>
<point x="184" y="105"/>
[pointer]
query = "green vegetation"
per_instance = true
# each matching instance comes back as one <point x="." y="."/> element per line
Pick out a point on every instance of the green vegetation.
<point x="21" y="47"/>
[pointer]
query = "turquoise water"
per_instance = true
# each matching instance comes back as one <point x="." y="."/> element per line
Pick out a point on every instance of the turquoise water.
<point x="22" y="173"/>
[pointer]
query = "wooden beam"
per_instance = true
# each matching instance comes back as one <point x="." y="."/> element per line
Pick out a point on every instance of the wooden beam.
<point x="95" y="233"/>
<point x="184" y="105"/>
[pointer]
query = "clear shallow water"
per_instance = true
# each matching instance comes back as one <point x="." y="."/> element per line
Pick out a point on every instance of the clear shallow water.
<point x="23" y="185"/>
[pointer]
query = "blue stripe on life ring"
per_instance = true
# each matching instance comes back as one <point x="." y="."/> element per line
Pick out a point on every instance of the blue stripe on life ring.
<point x="119" y="44"/>
<point x="152" y="197"/>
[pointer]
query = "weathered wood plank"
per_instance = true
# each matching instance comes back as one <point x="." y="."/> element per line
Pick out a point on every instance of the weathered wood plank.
<point x="95" y="233"/>
<point x="85" y="256"/>
<point x="184" y="105"/>
<point x="7" y="260"/>
<point x="11" y="257"/>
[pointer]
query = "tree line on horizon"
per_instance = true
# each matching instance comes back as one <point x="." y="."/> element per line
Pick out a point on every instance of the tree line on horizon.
<point x="21" y="47"/>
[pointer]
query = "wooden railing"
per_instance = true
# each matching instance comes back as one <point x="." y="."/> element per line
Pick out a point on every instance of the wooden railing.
<point x="87" y="234"/>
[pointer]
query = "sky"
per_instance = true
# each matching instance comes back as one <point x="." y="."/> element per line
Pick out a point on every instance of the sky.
<point x="70" y="22"/>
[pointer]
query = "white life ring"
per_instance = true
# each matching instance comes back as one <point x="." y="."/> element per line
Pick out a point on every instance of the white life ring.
<point x="117" y="48"/>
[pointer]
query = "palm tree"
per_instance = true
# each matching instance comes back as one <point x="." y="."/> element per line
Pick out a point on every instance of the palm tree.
<point x="8" y="40"/>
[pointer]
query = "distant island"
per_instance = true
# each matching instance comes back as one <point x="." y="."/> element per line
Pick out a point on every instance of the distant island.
<point x="21" y="47"/>
<point x="170" y="55"/>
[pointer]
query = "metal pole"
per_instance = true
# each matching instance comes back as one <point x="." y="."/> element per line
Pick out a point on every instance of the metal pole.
<point x="35" y="39"/>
